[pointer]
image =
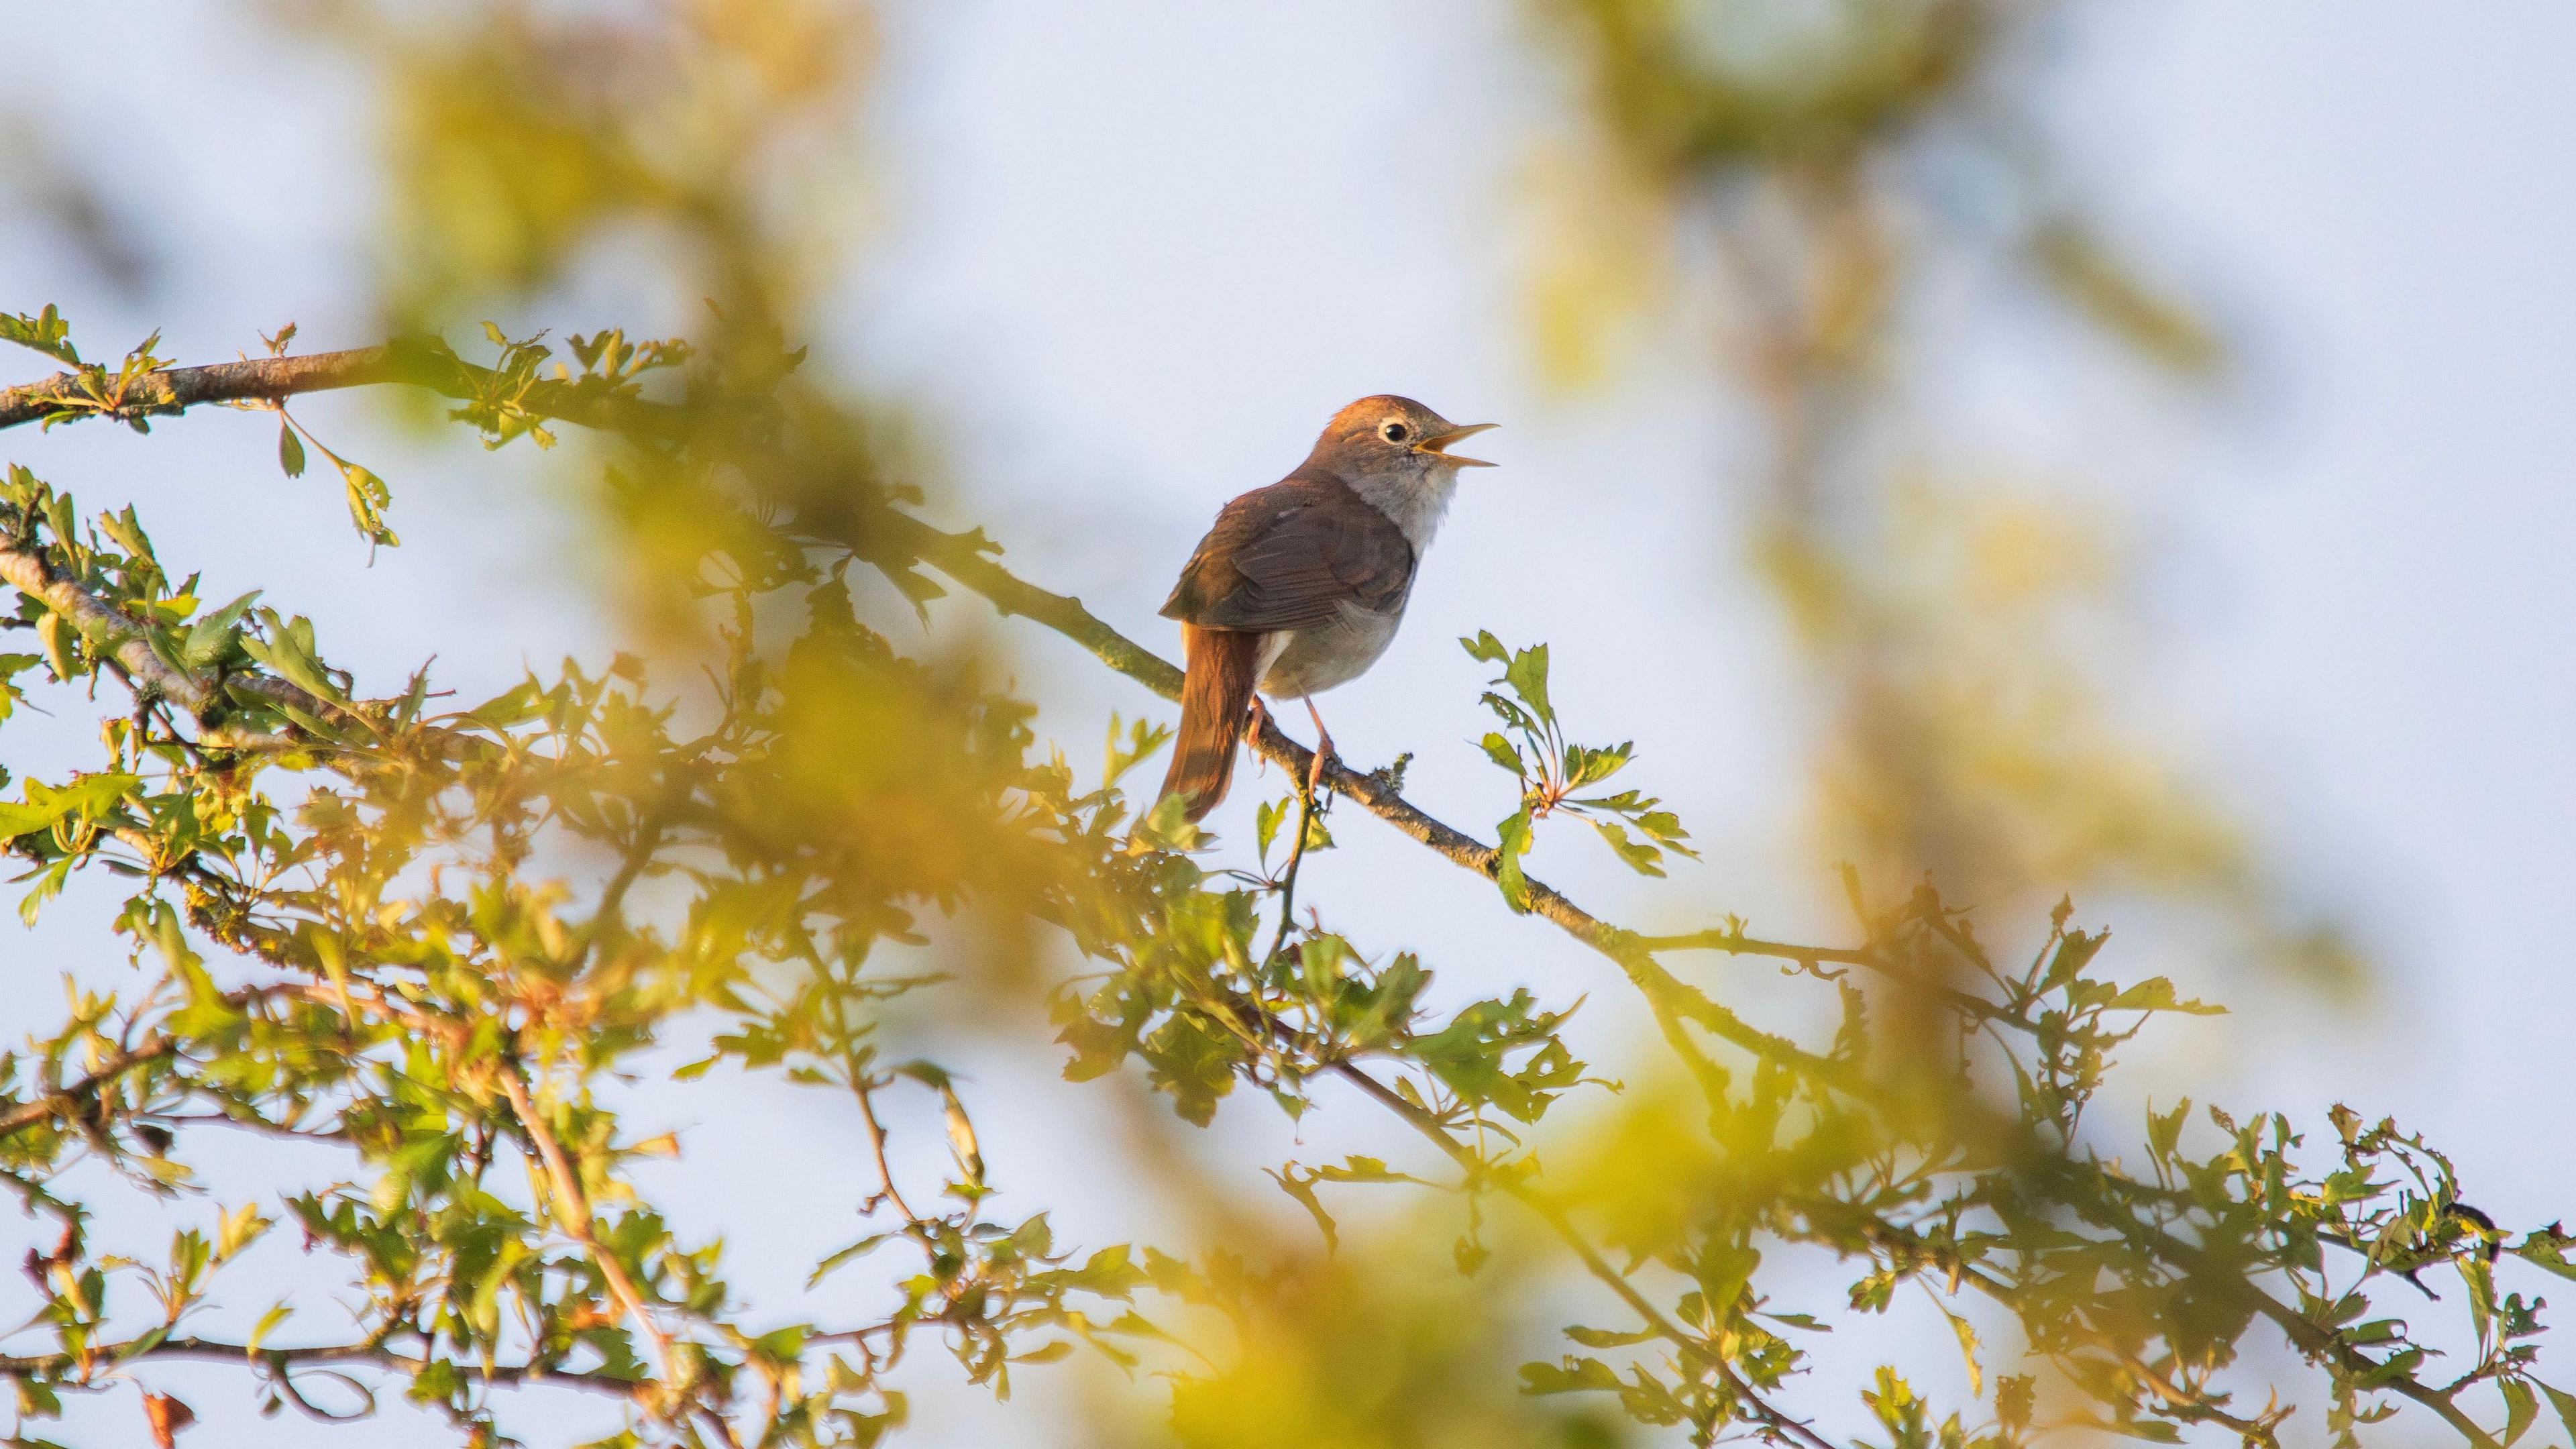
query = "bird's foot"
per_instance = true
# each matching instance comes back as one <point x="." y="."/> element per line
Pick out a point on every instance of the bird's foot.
<point x="1323" y="751"/>
<point x="1324" y="756"/>
<point x="1255" y="720"/>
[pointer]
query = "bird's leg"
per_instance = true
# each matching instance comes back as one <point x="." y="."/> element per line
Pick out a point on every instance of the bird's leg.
<point x="1253" y="719"/>
<point x="1323" y="746"/>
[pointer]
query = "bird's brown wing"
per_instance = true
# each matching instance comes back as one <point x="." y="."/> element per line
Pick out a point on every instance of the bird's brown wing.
<point x="1288" y="556"/>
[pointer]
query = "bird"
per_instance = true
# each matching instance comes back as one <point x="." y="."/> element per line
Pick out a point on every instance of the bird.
<point x="1299" y="586"/>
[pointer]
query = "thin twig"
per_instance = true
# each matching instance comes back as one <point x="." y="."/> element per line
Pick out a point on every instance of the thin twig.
<point x="886" y="1189"/>
<point x="572" y="1209"/>
<point x="1296" y="856"/>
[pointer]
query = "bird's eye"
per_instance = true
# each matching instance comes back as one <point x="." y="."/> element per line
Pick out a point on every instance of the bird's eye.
<point x="1395" y="432"/>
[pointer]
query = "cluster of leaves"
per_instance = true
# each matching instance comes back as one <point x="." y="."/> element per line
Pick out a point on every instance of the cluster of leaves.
<point x="1551" y="770"/>
<point x="91" y="389"/>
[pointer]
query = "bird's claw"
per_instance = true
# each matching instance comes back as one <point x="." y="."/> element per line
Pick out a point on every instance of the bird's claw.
<point x="1323" y="758"/>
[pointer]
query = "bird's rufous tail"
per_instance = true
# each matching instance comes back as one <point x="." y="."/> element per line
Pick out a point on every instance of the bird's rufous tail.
<point x="1215" y="693"/>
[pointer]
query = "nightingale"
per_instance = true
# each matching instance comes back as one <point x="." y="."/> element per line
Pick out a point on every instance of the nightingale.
<point x="1299" y="586"/>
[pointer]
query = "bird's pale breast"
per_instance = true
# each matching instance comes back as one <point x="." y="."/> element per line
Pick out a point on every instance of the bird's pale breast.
<point x="1320" y="656"/>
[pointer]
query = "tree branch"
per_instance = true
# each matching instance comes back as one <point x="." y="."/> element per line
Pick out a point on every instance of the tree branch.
<point x="572" y="1209"/>
<point x="171" y="390"/>
<point x="965" y="557"/>
<point x="422" y="362"/>
<point x="526" y="1375"/>
<point x="121" y="640"/>
<point x="70" y="1099"/>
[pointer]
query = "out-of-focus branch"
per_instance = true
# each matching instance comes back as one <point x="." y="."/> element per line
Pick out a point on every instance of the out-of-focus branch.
<point x="1599" y="1267"/>
<point x="572" y="1209"/>
<point x="74" y="1097"/>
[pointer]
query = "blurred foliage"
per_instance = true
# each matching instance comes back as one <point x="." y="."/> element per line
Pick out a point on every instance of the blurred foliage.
<point x="1808" y="175"/>
<point x="436" y="942"/>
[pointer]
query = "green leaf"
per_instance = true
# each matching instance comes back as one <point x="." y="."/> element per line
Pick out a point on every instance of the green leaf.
<point x="1606" y="1338"/>
<point x="46" y="332"/>
<point x="1501" y="752"/>
<point x="1512" y="841"/>
<point x="1194" y="1063"/>
<point x="2565" y="1404"/>
<point x="290" y="450"/>
<point x="54" y="635"/>
<point x="1641" y="857"/>
<point x="126" y="531"/>
<point x="1301" y="1186"/>
<point x="1366" y="1169"/>
<point x="210" y="637"/>
<point x="1575" y="1375"/>
<point x="288" y="652"/>
<point x="368" y="499"/>
<point x="268" y="1323"/>
<point x="1527" y="675"/>
<point x="845" y="1256"/>
<point x="514" y="706"/>
<point x="2157" y="994"/>
<point x="780" y="1345"/>
<point x="1167" y="827"/>
<point x="1590" y="767"/>
<point x="2075" y="950"/>
<point x="1265" y="824"/>
<point x="2521" y="1406"/>
<point x="88" y="794"/>
<point x="1666" y="828"/>
<point x="2164" y="1133"/>
<point x="1485" y="648"/>
<point x="36" y="1400"/>
<point x="1966" y="1333"/>
<point x="1808" y="1321"/>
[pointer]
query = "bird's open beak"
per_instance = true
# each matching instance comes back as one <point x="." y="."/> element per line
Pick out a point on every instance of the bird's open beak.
<point x="1438" y="445"/>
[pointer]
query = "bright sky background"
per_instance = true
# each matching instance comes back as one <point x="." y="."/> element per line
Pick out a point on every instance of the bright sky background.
<point x="1136" y="252"/>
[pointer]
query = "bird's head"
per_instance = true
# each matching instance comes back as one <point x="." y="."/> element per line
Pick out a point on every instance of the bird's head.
<point x="1389" y="437"/>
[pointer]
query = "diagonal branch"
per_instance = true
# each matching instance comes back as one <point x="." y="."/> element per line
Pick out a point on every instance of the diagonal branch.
<point x="965" y="557"/>
<point x="121" y="639"/>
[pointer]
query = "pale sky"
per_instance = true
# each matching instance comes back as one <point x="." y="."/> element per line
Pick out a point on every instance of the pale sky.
<point x="1136" y="252"/>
